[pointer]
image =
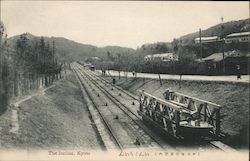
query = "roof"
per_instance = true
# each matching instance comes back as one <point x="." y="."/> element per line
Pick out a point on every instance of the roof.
<point x="207" y="38"/>
<point x="216" y="57"/>
<point x="94" y="58"/>
<point x="158" y="55"/>
<point x="239" y="34"/>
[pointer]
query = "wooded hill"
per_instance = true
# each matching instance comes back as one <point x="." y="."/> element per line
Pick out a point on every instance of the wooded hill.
<point x="33" y="57"/>
<point x="71" y="50"/>
<point x="229" y="27"/>
<point x="187" y="41"/>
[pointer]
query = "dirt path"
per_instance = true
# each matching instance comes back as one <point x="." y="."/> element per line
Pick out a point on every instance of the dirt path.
<point x="244" y="78"/>
<point x="52" y="118"/>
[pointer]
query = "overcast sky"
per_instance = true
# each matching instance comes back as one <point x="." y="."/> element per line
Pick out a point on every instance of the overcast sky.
<point x="129" y="24"/>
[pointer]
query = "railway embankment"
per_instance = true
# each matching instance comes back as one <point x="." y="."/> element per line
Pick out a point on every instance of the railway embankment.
<point x="55" y="118"/>
<point x="233" y="96"/>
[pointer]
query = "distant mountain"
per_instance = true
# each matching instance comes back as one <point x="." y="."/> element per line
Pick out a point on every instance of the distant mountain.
<point x="71" y="50"/>
<point x="229" y="27"/>
<point x="116" y="49"/>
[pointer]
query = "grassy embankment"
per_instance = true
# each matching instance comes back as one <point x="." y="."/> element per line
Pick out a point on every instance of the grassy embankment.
<point x="56" y="119"/>
<point x="234" y="97"/>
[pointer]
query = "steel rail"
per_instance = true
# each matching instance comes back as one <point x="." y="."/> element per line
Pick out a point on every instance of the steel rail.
<point x="102" y="117"/>
<point x="210" y="143"/>
<point x="124" y="91"/>
<point x="104" y="94"/>
<point x="119" y="88"/>
<point x="126" y="110"/>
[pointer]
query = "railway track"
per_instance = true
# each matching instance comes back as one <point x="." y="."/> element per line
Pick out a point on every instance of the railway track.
<point x="126" y="128"/>
<point x="108" y="139"/>
<point x="103" y="80"/>
<point x="125" y="100"/>
<point x="215" y="144"/>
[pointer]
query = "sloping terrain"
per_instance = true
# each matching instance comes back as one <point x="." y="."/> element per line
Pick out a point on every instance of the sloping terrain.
<point x="234" y="97"/>
<point x="70" y="50"/>
<point x="229" y="27"/>
<point x="56" y="119"/>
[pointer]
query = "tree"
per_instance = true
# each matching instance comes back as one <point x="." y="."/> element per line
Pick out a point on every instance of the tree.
<point x="4" y="70"/>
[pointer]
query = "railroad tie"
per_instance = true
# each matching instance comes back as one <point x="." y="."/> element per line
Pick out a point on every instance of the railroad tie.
<point x="137" y="141"/>
<point x="116" y="117"/>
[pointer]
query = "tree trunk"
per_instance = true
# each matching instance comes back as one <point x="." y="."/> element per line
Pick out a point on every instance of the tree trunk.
<point x="38" y="81"/>
<point x="42" y="80"/>
<point x="22" y="84"/>
<point x="46" y="80"/>
<point x="53" y="77"/>
<point x="15" y="83"/>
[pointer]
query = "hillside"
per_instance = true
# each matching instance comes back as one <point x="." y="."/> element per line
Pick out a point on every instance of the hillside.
<point x="229" y="27"/>
<point x="71" y="50"/>
<point x="186" y="48"/>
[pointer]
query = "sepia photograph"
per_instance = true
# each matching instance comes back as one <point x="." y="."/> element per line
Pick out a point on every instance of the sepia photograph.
<point x="124" y="80"/>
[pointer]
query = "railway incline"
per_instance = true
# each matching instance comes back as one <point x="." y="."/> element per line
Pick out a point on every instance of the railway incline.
<point x="114" y="112"/>
<point x="118" y="125"/>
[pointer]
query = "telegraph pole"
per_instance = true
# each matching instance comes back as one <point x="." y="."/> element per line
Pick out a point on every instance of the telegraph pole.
<point x="200" y="45"/>
<point x="223" y="42"/>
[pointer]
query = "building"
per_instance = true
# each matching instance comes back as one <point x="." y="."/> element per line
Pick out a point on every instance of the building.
<point x="238" y="37"/>
<point x="214" y="62"/>
<point x="162" y="57"/>
<point x="207" y="39"/>
<point x="234" y="37"/>
<point x="94" y="58"/>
